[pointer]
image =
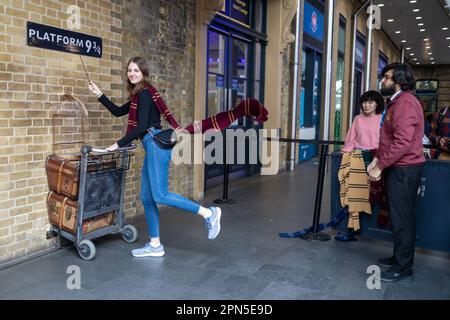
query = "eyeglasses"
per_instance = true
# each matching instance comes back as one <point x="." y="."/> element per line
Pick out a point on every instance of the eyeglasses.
<point x="387" y="77"/>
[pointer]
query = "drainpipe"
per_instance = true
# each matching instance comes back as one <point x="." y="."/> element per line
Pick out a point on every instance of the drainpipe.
<point x="329" y="65"/>
<point x="295" y="93"/>
<point x="352" y="79"/>
<point x="369" y="51"/>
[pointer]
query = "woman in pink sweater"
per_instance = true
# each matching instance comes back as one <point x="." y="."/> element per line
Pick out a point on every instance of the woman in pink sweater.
<point x="363" y="135"/>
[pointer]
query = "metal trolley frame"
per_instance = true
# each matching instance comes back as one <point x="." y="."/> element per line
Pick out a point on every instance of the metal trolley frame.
<point x="101" y="190"/>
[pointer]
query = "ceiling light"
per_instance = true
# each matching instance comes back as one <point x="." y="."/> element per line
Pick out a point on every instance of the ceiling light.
<point x="416" y="10"/>
<point x="412" y="1"/>
<point x="418" y="18"/>
<point x="420" y="24"/>
<point x="433" y="62"/>
<point x="444" y="28"/>
<point x="449" y="46"/>
<point x="409" y="48"/>
<point x="403" y="41"/>
<point x="381" y="5"/>
<point x="426" y="39"/>
<point x="398" y="31"/>
<point x="448" y="38"/>
<point x="417" y="63"/>
<point x="431" y="58"/>
<point x="390" y="20"/>
<point x="415" y="59"/>
<point x="430" y="53"/>
<point x="422" y="30"/>
<point x="428" y="47"/>
<point x="411" y="54"/>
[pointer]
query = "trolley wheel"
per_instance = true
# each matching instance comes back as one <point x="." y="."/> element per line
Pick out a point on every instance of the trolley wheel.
<point x="52" y="232"/>
<point x="86" y="250"/>
<point x="129" y="233"/>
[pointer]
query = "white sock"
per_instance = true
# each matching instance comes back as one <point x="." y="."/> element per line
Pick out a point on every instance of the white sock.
<point x="204" y="212"/>
<point x="155" y="243"/>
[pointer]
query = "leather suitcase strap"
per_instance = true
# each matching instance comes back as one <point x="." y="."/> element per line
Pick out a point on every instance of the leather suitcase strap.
<point x="58" y="182"/>
<point x="62" y="210"/>
<point x="59" y="186"/>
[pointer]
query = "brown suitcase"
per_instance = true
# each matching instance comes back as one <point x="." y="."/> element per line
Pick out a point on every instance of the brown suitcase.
<point x="62" y="175"/>
<point x="62" y="212"/>
<point x="63" y="172"/>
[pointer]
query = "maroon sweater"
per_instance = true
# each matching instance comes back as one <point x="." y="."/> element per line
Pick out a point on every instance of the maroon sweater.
<point x="401" y="134"/>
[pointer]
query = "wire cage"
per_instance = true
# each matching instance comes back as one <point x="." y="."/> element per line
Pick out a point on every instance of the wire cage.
<point x="69" y="126"/>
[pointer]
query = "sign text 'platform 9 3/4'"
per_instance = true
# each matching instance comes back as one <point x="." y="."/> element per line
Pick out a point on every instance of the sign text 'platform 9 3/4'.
<point x="47" y="37"/>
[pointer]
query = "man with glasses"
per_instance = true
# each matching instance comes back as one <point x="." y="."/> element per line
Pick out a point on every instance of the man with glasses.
<point x="400" y="157"/>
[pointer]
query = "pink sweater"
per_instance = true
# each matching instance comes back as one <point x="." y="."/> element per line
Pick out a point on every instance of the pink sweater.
<point x="364" y="133"/>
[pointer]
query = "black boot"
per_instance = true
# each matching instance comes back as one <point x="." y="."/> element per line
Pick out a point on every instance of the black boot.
<point x="349" y="235"/>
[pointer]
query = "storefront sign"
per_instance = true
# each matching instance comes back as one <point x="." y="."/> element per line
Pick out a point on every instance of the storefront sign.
<point x="47" y="37"/>
<point x="239" y="11"/>
<point x="426" y="87"/>
<point x="313" y="22"/>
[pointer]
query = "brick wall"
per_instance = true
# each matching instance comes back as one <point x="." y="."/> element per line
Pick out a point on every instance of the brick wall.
<point x="33" y="82"/>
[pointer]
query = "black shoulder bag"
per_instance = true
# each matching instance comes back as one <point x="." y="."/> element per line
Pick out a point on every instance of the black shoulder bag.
<point x="166" y="139"/>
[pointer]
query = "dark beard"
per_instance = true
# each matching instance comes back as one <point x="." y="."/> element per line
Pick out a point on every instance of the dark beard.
<point x="387" y="92"/>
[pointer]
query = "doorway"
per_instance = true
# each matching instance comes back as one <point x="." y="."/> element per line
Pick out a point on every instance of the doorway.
<point x="357" y="92"/>
<point x="310" y="102"/>
<point x="230" y="57"/>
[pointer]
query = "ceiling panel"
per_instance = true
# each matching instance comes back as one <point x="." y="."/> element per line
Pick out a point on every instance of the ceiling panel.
<point x="434" y="32"/>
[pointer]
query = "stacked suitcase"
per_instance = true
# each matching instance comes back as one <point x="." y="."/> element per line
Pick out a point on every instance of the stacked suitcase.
<point x="63" y="174"/>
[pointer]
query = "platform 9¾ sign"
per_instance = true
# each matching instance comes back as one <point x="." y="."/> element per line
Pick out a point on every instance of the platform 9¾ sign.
<point x="47" y="37"/>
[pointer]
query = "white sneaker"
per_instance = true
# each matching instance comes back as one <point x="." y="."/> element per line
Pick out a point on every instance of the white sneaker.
<point x="148" y="251"/>
<point x="213" y="223"/>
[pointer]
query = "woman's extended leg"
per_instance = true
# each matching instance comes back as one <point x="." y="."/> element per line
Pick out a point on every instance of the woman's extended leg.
<point x="158" y="173"/>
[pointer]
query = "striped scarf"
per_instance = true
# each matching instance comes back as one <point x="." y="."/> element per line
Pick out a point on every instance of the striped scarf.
<point x="248" y="107"/>
<point x="354" y="191"/>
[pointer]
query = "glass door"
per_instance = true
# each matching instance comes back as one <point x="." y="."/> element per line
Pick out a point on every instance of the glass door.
<point x="228" y="69"/>
<point x="357" y="92"/>
<point x="310" y="102"/>
<point x="217" y="82"/>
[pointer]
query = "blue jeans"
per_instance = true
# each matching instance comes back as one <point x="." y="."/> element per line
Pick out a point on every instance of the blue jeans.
<point x="155" y="182"/>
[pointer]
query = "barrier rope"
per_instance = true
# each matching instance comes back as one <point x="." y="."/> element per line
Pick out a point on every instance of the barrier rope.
<point x="323" y="226"/>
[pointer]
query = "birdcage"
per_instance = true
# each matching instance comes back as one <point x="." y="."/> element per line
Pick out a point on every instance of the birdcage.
<point x="69" y="126"/>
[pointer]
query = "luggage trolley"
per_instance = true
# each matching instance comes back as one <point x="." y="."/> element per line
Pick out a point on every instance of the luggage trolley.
<point x="86" y="195"/>
<point x="101" y="191"/>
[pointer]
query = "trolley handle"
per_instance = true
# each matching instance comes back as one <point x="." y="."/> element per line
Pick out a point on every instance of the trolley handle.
<point x="103" y="150"/>
<point x="130" y="147"/>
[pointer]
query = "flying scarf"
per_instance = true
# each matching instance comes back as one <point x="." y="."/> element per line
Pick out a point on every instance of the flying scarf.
<point x="248" y="107"/>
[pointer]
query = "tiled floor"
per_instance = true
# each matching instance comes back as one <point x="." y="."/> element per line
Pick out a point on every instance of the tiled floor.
<point x="248" y="260"/>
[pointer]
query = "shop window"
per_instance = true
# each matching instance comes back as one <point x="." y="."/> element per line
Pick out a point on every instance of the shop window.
<point x="382" y="62"/>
